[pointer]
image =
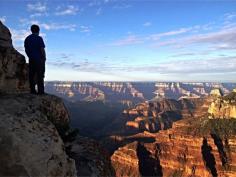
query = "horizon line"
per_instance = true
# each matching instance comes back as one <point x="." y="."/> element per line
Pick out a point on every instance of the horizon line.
<point x="218" y="82"/>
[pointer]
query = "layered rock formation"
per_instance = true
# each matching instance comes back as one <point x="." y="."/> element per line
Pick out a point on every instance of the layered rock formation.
<point x="125" y="161"/>
<point x="178" y="151"/>
<point x="13" y="67"/>
<point x="194" y="146"/>
<point x="223" y="107"/>
<point x="159" y="115"/>
<point x="131" y="93"/>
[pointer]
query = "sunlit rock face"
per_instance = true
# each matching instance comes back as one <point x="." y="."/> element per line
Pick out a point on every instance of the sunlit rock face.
<point x="177" y="152"/>
<point x="223" y="107"/>
<point x="125" y="161"/>
<point x="13" y="67"/>
<point x="216" y="92"/>
<point x="186" y="153"/>
<point x="193" y="146"/>
<point x="131" y="93"/>
<point x="159" y="115"/>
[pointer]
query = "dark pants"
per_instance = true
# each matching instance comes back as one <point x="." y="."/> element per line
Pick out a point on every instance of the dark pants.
<point x="36" y="75"/>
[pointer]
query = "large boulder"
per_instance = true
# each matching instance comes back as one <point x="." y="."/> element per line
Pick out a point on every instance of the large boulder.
<point x="29" y="142"/>
<point x="13" y="67"/>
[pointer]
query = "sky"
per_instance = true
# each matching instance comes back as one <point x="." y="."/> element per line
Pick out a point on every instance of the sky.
<point x="130" y="40"/>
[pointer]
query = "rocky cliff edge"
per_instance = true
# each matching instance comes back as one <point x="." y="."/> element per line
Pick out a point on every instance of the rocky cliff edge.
<point x="33" y="128"/>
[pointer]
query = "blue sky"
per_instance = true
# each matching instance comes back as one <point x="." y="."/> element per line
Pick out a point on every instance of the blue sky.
<point x="132" y="40"/>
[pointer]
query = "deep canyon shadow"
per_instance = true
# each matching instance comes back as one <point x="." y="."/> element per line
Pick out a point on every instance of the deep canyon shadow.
<point x="208" y="157"/>
<point x="148" y="166"/>
<point x="219" y="144"/>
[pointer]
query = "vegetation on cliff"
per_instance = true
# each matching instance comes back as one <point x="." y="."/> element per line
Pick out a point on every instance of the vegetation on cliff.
<point x="224" y="128"/>
<point x="230" y="97"/>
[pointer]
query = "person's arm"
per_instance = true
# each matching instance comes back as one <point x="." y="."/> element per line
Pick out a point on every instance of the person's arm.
<point x="26" y="47"/>
<point x="43" y="53"/>
<point x="42" y="48"/>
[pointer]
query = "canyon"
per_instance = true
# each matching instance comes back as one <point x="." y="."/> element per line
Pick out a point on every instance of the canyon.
<point x="192" y="146"/>
<point x="131" y="93"/>
<point x="113" y="128"/>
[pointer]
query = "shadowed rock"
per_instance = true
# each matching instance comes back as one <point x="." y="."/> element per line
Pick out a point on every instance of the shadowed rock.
<point x="208" y="157"/>
<point x="13" y="67"/>
<point x="148" y="166"/>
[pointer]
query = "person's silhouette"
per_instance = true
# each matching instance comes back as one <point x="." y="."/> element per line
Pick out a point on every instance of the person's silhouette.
<point x="34" y="48"/>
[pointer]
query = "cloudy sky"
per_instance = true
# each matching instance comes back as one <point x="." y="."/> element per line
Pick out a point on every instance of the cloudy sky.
<point x="132" y="40"/>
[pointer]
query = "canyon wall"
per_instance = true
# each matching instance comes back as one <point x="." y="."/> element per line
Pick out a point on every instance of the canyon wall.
<point x="178" y="152"/>
<point x="13" y="67"/>
<point x="223" y="107"/>
<point x="193" y="146"/>
<point x="131" y="93"/>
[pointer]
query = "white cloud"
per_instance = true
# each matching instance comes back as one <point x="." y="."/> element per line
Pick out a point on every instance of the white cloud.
<point x="169" y="33"/>
<point x="99" y="11"/>
<point x="37" y="7"/>
<point x="85" y="29"/>
<point x="206" y="68"/>
<point x="129" y="40"/>
<point x="122" y="6"/>
<point x="19" y="35"/>
<point x="230" y="16"/>
<point x="224" y="39"/>
<point x="3" y="19"/>
<point x="38" y="14"/>
<point x="200" y="66"/>
<point x="55" y="26"/>
<point x="69" y="10"/>
<point x="135" y="39"/>
<point x="49" y="26"/>
<point x="95" y="3"/>
<point x="147" y="24"/>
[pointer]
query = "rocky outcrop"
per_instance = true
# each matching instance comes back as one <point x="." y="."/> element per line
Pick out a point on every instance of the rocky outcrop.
<point x="194" y="146"/>
<point x="179" y="151"/>
<point x="158" y="115"/>
<point x="90" y="158"/>
<point x="223" y="107"/>
<point x="125" y="161"/>
<point x="184" y="153"/>
<point x="13" y="67"/>
<point x="216" y="92"/>
<point x="30" y="143"/>
<point x="34" y="129"/>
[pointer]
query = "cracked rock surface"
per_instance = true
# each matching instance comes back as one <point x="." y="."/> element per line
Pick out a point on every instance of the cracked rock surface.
<point x="29" y="141"/>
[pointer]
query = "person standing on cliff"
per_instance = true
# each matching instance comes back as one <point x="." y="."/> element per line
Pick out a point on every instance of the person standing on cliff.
<point x="35" y="50"/>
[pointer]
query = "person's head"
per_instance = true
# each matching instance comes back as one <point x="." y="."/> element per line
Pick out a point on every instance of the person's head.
<point x="35" y="29"/>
